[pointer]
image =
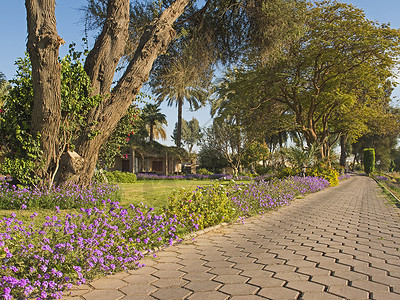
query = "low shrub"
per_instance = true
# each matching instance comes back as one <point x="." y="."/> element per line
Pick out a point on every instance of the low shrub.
<point x="369" y="160"/>
<point x="201" y="208"/>
<point x="325" y="172"/>
<point x="286" y="172"/>
<point x="204" y="171"/>
<point x="263" y="170"/>
<point x="120" y="177"/>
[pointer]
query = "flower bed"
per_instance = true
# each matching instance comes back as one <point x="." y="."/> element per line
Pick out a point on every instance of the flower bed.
<point x="261" y="196"/>
<point x="344" y="176"/>
<point x="64" y="197"/>
<point x="42" y="257"/>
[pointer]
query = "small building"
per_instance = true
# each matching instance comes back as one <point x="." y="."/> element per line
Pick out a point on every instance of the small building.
<point x="151" y="157"/>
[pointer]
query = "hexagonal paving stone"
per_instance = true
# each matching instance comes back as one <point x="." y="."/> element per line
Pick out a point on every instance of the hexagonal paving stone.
<point x="137" y="297"/>
<point x="348" y="292"/>
<point x="120" y="275"/>
<point x="138" y="278"/>
<point x="280" y="268"/>
<point x="107" y="283"/>
<point x="103" y="295"/>
<point x="371" y="286"/>
<point x="169" y="282"/>
<point x="224" y="271"/>
<point x="231" y="279"/>
<point x="288" y="276"/>
<point x="214" y="295"/>
<point x="267" y="282"/>
<point x="385" y="295"/>
<point x="203" y="286"/>
<point x="138" y="289"/>
<point x="278" y="293"/>
<point x="219" y="264"/>
<point x="199" y="276"/>
<point x="168" y="274"/>
<point x="171" y="293"/>
<point x="168" y="266"/>
<point x="305" y="286"/>
<point x="247" y="297"/>
<point x="237" y="289"/>
<point x="319" y="296"/>
<point x="144" y="270"/>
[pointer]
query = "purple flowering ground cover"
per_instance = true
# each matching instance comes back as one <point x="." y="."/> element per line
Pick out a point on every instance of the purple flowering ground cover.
<point x="261" y="196"/>
<point x="42" y="256"/>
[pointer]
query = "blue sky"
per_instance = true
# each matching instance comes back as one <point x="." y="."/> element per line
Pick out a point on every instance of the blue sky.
<point x="70" y="28"/>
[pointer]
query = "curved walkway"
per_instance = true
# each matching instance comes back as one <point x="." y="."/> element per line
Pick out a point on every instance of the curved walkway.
<point x="340" y="243"/>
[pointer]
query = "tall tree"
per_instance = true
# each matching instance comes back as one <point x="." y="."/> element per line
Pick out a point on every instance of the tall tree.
<point x="341" y="57"/>
<point x="191" y="133"/>
<point x="184" y="78"/>
<point x="150" y="36"/>
<point x="154" y="119"/>
<point x="227" y="136"/>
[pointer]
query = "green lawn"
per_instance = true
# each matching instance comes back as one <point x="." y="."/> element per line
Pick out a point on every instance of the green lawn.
<point x="155" y="193"/>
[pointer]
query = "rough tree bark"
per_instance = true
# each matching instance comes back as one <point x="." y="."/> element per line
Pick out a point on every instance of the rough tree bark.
<point x="43" y="44"/>
<point x="153" y="42"/>
<point x="108" y="49"/>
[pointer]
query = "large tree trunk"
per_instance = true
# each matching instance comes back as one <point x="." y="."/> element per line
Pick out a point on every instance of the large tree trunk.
<point x="179" y="129"/>
<point x="43" y="44"/>
<point x="109" y="47"/>
<point x="153" y="42"/>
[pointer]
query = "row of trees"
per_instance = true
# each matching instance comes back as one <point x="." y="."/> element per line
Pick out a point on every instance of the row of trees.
<point x="332" y="84"/>
<point x="321" y="72"/>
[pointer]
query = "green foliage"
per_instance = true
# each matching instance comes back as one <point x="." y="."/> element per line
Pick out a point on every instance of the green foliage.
<point x="212" y="159"/>
<point x="286" y="172"/>
<point x="325" y="172"/>
<point x="154" y="121"/>
<point x="203" y="207"/>
<point x="76" y="101"/>
<point x="120" y="177"/>
<point x="333" y="79"/>
<point x="23" y="149"/>
<point x="369" y="160"/>
<point x="203" y="171"/>
<point x="120" y="138"/>
<point x="299" y="157"/>
<point x="261" y="170"/>
<point x="255" y="153"/>
<point x="392" y="166"/>
<point x="191" y="133"/>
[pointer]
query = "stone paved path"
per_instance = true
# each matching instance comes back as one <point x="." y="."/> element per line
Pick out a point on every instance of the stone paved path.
<point x="340" y="243"/>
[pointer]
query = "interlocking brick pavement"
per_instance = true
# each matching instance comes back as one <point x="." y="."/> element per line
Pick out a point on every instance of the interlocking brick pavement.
<point x="340" y="243"/>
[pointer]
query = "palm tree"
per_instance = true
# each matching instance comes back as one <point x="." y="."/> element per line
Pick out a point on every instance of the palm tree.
<point x="154" y="121"/>
<point x="183" y="77"/>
